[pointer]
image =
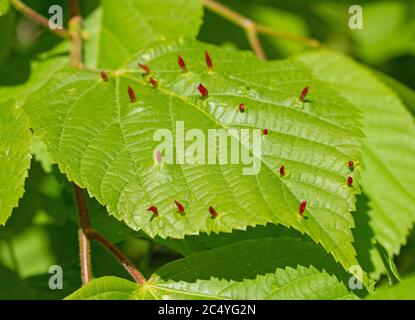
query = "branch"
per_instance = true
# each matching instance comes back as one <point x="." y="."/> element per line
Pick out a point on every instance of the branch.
<point x="39" y="19"/>
<point x="253" y="28"/>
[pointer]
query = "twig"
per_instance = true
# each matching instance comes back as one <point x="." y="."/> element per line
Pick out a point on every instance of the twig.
<point x="84" y="245"/>
<point x="255" y="43"/>
<point x="253" y="28"/>
<point x="128" y="265"/>
<point x="75" y="29"/>
<point x="38" y="18"/>
<point x="312" y="43"/>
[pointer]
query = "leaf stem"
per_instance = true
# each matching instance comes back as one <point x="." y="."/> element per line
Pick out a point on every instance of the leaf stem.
<point x="86" y="233"/>
<point x="84" y="245"/>
<point x="75" y="29"/>
<point x="122" y="258"/>
<point x="252" y="28"/>
<point x="39" y="19"/>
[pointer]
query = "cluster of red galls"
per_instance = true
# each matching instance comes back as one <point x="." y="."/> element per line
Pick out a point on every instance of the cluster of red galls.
<point x="204" y="94"/>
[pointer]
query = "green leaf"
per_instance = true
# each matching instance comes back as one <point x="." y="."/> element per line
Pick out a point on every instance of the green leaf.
<point x="128" y="26"/>
<point x="193" y="244"/>
<point x="395" y="36"/>
<point x="15" y="142"/>
<point x="406" y="94"/>
<point x="25" y="74"/>
<point x="105" y="144"/>
<point x="390" y="266"/>
<point x="106" y="288"/>
<point x="4" y="7"/>
<point x="402" y="291"/>
<point x="285" y="284"/>
<point x="247" y="259"/>
<point x="389" y="154"/>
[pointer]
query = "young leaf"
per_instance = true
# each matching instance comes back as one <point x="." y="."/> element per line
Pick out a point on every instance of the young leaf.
<point x="128" y="26"/>
<point x="389" y="154"/>
<point x="285" y="284"/>
<point x="15" y="143"/>
<point x="105" y="143"/>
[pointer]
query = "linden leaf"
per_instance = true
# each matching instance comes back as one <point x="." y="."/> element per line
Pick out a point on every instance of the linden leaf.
<point x="105" y="143"/>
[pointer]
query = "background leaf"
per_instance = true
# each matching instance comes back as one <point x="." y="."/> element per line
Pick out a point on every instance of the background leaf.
<point x="129" y="25"/>
<point x="4" y="7"/>
<point x="389" y="154"/>
<point x="15" y="141"/>
<point x="402" y="291"/>
<point x="247" y="259"/>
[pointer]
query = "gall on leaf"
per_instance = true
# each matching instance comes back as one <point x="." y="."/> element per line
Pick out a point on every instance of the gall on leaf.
<point x="282" y="171"/>
<point x="350" y="181"/>
<point x="208" y="60"/>
<point x="301" y="209"/>
<point x="153" y="82"/>
<point x="181" y="63"/>
<point x="265" y="132"/>
<point x="104" y="76"/>
<point x="213" y="213"/>
<point x="304" y="93"/>
<point x="180" y="207"/>
<point x="351" y="165"/>
<point x="145" y="68"/>
<point x="202" y="90"/>
<point x="158" y="158"/>
<point x="241" y="108"/>
<point x="132" y="95"/>
<point x="154" y="210"/>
